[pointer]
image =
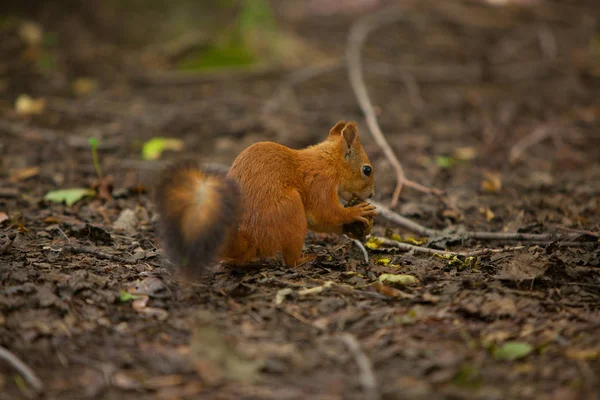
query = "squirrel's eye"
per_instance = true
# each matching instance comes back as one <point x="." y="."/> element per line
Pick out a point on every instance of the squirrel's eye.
<point x="366" y="170"/>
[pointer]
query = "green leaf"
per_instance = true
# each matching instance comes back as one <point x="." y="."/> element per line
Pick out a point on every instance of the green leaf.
<point x="400" y="279"/>
<point x="445" y="161"/>
<point x="154" y="147"/>
<point x="68" y="196"/>
<point x="511" y="351"/>
<point x="468" y="376"/>
<point x="218" y="57"/>
<point x="256" y="15"/>
<point x="125" y="296"/>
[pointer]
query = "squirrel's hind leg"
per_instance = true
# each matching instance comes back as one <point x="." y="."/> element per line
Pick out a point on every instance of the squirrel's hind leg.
<point x="293" y="233"/>
<point x="291" y="256"/>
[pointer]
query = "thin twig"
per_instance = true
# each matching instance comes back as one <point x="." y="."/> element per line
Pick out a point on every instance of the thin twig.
<point x="421" y="230"/>
<point x="300" y="318"/>
<point x="357" y="37"/>
<point x="359" y="244"/>
<point x="538" y="135"/>
<point x="22" y="368"/>
<point x="27" y="132"/>
<point x="424" y="189"/>
<point x="579" y="231"/>
<point x="96" y="253"/>
<point x="414" y="91"/>
<point x="181" y="78"/>
<point x="426" y="250"/>
<point x="295" y="78"/>
<point x="366" y="375"/>
<point x="547" y="42"/>
<point x="403" y="222"/>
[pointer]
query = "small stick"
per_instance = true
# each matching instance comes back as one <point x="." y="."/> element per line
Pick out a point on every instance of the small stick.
<point x="359" y="244"/>
<point x="403" y="222"/>
<point x="96" y="253"/>
<point x="366" y="374"/>
<point x="421" y="230"/>
<point x="26" y="132"/>
<point x="295" y="78"/>
<point x="580" y="231"/>
<point x="357" y="37"/>
<point x="424" y="189"/>
<point x="180" y="78"/>
<point x="22" y="368"/>
<point x="426" y="250"/>
<point x="300" y="318"/>
<point x="414" y="92"/>
<point x="538" y="135"/>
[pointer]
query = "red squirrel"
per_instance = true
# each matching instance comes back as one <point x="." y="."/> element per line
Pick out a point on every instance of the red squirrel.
<point x="265" y="204"/>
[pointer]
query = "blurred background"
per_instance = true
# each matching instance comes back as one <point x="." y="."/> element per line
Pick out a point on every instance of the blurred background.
<point x="456" y="84"/>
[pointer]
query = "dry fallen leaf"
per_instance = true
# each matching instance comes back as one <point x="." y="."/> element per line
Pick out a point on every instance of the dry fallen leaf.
<point x="31" y="33"/>
<point x="315" y="290"/>
<point x="18" y="175"/>
<point x="151" y="286"/>
<point x="491" y="182"/>
<point x="584" y="354"/>
<point x="282" y="294"/>
<point x="127" y="222"/>
<point x="399" y="279"/>
<point x="489" y="214"/>
<point x="391" y="291"/>
<point x="83" y="86"/>
<point x="164" y="381"/>
<point x="26" y="105"/>
<point x="382" y="260"/>
<point x="465" y="153"/>
<point x="128" y="380"/>
<point x="522" y="267"/>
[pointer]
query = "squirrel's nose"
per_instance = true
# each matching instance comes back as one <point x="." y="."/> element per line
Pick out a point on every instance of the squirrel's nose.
<point x="371" y="195"/>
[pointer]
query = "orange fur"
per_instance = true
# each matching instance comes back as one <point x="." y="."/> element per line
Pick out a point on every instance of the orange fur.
<point x="282" y="193"/>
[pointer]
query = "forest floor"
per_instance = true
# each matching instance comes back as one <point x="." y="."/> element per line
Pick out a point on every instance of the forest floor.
<point x="454" y="96"/>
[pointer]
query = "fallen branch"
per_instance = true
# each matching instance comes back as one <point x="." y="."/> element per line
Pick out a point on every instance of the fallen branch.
<point x="93" y="252"/>
<point x="421" y="230"/>
<point x="27" y="132"/>
<point x="426" y="250"/>
<point x="357" y="37"/>
<point x="362" y="248"/>
<point x="22" y="369"/>
<point x="365" y="368"/>
<point x="180" y="78"/>
<point x="295" y="78"/>
<point x="538" y="135"/>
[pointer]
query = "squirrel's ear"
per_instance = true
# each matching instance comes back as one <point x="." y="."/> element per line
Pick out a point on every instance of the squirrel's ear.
<point x="337" y="129"/>
<point x="350" y="134"/>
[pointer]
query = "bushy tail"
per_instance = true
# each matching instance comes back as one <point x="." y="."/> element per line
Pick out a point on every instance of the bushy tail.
<point x="197" y="209"/>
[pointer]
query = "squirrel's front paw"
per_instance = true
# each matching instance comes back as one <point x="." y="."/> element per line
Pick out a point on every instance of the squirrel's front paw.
<point x="362" y="212"/>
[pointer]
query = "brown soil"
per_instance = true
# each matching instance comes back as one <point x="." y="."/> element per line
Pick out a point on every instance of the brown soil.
<point x="480" y="80"/>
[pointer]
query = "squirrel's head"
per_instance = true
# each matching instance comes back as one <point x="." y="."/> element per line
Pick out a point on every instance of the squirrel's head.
<point x="357" y="173"/>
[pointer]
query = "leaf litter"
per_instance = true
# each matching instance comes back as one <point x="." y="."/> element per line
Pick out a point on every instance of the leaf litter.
<point x="272" y="331"/>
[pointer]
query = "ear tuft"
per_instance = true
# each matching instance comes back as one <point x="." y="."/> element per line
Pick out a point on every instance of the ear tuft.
<point x="350" y="133"/>
<point x="337" y="129"/>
